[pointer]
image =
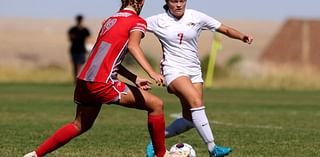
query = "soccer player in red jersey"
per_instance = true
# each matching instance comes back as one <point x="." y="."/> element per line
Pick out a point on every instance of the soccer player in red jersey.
<point x="98" y="84"/>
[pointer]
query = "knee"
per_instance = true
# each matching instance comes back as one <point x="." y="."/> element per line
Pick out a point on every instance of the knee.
<point x="82" y="126"/>
<point x="86" y="127"/>
<point x="196" y="102"/>
<point x="157" y="106"/>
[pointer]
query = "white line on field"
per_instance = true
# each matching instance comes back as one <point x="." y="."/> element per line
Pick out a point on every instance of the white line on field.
<point x="179" y="115"/>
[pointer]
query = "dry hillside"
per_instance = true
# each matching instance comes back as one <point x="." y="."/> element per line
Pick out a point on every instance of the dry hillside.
<point x="296" y="43"/>
<point x="29" y="44"/>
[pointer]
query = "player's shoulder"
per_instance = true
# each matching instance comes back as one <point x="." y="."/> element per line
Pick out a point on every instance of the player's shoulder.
<point x="161" y="19"/>
<point x="193" y="12"/>
<point x="135" y="19"/>
<point x="137" y="23"/>
<point x="73" y="28"/>
<point x="141" y="21"/>
<point x="157" y="16"/>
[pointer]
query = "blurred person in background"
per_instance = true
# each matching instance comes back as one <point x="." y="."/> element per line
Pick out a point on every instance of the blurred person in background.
<point x="78" y="36"/>
<point x="178" y="30"/>
<point x="98" y="83"/>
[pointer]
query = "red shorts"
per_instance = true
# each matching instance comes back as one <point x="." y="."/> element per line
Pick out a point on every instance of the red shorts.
<point x="97" y="93"/>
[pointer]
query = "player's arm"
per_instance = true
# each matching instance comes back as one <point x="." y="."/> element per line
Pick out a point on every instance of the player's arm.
<point x="137" y="53"/>
<point x="71" y="34"/>
<point x="140" y="82"/>
<point x="235" y="34"/>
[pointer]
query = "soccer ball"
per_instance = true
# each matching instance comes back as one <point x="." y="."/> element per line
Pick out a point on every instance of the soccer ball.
<point x="182" y="150"/>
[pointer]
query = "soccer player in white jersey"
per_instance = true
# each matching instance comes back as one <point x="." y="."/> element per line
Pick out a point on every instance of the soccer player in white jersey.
<point x="178" y="30"/>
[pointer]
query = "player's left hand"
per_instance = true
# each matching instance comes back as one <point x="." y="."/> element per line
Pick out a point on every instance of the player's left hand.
<point x="142" y="83"/>
<point x="247" y="39"/>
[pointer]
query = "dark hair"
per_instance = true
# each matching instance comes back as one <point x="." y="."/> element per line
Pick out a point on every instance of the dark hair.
<point x="166" y="7"/>
<point x="79" y="18"/>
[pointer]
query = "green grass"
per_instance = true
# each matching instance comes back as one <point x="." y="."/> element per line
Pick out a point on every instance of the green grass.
<point x="255" y="123"/>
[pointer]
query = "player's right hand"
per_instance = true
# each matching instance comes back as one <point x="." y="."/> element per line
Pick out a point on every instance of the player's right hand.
<point x="158" y="78"/>
<point x="142" y="83"/>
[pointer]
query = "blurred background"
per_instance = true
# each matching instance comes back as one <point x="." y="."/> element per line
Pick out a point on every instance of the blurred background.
<point x="285" y="54"/>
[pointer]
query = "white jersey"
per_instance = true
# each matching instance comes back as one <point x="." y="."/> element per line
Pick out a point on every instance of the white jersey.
<point x="179" y="38"/>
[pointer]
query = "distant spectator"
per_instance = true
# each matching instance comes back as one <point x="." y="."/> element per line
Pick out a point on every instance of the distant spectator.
<point x="78" y="36"/>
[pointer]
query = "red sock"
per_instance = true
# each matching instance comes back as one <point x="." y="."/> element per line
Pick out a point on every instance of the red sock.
<point x="58" y="139"/>
<point x="156" y="127"/>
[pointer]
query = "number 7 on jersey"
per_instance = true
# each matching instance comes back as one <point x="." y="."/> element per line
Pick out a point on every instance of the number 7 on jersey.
<point x="180" y="35"/>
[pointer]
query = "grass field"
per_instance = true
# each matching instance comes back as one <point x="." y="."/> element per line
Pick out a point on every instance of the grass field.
<point x="255" y="123"/>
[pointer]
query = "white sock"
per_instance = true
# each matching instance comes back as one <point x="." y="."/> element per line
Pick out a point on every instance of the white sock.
<point x="202" y="125"/>
<point x="177" y="127"/>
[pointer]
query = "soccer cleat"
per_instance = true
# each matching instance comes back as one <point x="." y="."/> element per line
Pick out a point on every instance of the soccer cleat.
<point x="31" y="154"/>
<point x="219" y="151"/>
<point x="149" y="150"/>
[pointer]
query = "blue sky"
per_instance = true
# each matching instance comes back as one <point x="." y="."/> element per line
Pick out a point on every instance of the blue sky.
<point x="224" y="9"/>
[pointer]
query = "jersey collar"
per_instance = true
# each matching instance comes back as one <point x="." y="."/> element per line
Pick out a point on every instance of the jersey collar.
<point x="128" y="10"/>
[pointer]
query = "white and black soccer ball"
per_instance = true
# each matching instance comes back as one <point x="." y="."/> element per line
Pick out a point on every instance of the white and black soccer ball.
<point x="182" y="150"/>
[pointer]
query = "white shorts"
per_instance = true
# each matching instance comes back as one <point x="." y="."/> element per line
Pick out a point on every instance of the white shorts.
<point x="172" y="74"/>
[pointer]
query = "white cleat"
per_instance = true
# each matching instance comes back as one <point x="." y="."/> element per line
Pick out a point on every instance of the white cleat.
<point x="31" y="154"/>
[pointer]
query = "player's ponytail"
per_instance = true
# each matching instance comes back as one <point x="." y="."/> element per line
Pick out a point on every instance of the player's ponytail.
<point x="136" y="4"/>
<point x="124" y="3"/>
<point x="166" y="7"/>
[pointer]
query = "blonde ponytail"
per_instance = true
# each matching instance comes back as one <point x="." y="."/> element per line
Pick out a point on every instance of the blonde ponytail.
<point x="133" y="3"/>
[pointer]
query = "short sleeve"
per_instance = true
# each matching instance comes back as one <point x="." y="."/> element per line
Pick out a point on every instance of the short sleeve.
<point x="87" y="33"/>
<point x="71" y="31"/>
<point x="140" y="25"/>
<point x="208" y="22"/>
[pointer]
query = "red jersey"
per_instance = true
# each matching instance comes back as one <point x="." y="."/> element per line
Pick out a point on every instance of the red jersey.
<point x="111" y="46"/>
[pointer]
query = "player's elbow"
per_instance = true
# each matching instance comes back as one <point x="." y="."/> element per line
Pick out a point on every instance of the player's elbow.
<point x="132" y="47"/>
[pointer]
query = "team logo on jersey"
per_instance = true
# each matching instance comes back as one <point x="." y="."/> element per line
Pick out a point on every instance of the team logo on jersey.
<point x="107" y="25"/>
<point x="191" y="24"/>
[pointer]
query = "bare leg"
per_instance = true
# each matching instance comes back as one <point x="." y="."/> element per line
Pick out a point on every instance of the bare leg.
<point x="190" y="95"/>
